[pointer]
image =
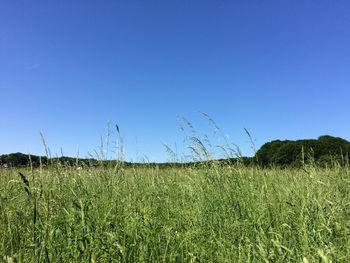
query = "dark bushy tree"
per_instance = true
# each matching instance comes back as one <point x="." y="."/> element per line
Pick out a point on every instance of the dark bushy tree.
<point x="324" y="150"/>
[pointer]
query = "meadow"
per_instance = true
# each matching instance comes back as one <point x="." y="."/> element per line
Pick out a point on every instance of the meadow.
<point x="208" y="213"/>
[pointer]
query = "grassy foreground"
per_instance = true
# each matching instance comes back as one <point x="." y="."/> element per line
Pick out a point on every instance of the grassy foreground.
<point x="209" y="214"/>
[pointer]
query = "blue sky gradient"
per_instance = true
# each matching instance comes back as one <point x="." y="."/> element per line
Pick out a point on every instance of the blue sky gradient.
<point x="281" y="69"/>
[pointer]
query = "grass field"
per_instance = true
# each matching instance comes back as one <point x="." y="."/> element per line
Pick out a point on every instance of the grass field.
<point x="208" y="214"/>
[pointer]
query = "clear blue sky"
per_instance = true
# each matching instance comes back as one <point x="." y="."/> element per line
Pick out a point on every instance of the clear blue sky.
<point x="278" y="68"/>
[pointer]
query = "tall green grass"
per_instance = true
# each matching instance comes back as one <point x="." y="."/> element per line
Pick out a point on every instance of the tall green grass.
<point x="213" y="213"/>
<point x="208" y="212"/>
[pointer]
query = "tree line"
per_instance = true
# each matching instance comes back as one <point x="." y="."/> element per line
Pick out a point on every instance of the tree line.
<point x="326" y="150"/>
